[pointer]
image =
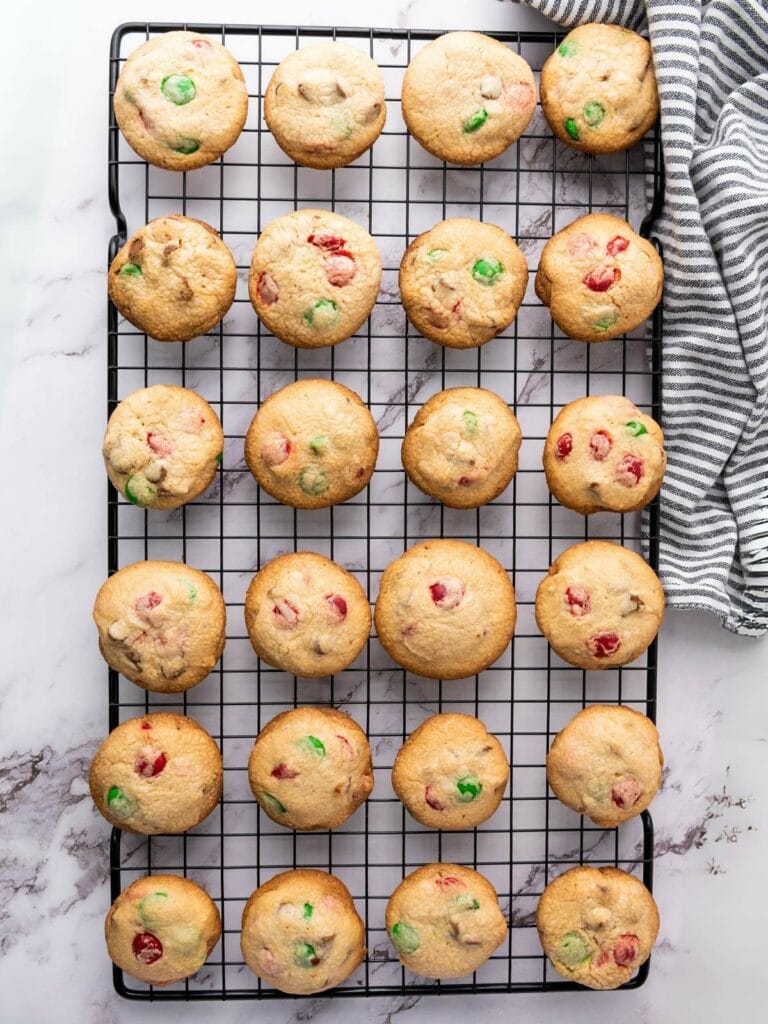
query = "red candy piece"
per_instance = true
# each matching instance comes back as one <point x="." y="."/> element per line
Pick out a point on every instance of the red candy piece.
<point x="626" y="949"/>
<point x="600" y="445"/>
<point x="564" y="446"/>
<point x="337" y="602"/>
<point x="267" y="289"/>
<point x="147" y="602"/>
<point x="616" y="245"/>
<point x="340" y="268"/>
<point x="432" y="800"/>
<point x="286" y="614"/>
<point x="580" y="245"/>
<point x="520" y="94"/>
<point x="626" y="793"/>
<point x="147" y="948"/>
<point x="159" y="444"/>
<point x="149" y="762"/>
<point x="448" y="882"/>
<point x="146" y="725"/>
<point x="577" y="601"/>
<point x="347" y="745"/>
<point x="276" y="450"/>
<point x="602" y="960"/>
<point x="478" y="473"/>
<point x="457" y="307"/>
<point x="447" y="592"/>
<point x="602" y="278"/>
<point x="629" y="470"/>
<point x="326" y="241"/>
<point x="201" y="44"/>
<point x="602" y="644"/>
<point x="282" y="772"/>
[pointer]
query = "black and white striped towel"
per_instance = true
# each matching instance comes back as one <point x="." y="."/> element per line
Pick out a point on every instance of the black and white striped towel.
<point x="711" y="61"/>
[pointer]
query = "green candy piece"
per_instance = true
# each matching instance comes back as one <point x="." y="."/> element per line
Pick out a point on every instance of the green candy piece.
<point x="574" y="949"/>
<point x="594" y="113"/>
<point x="149" y="906"/>
<point x="572" y="128"/>
<point x="318" y="444"/>
<point x="308" y="910"/>
<point x="567" y="48"/>
<point x="469" y="787"/>
<point x="606" y="322"/>
<point x="313" y="744"/>
<point x="219" y="457"/>
<point x="636" y="428"/>
<point x="470" y="422"/>
<point x="130" y="270"/>
<point x="304" y="954"/>
<point x="188" y="941"/>
<point x="139" y="492"/>
<point x="273" y="802"/>
<point x="190" y="588"/>
<point x="467" y="902"/>
<point x="118" y="803"/>
<point x="436" y="254"/>
<point x="313" y="481"/>
<point x="322" y="313"/>
<point x="405" y="938"/>
<point x="475" y="121"/>
<point x="178" y="89"/>
<point x="487" y="271"/>
<point x="343" y="126"/>
<point x="185" y="146"/>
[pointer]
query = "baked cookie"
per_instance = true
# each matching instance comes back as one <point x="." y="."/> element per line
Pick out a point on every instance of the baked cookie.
<point x="451" y="772"/>
<point x="161" y="929"/>
<point x="162" y="446"/>
<point x="600" y="605"/>
<point x="467" y="97"/>
<point x="181" y="100"/>
<point x="444" y="921"/>
<point x="301" y="932"/>
<point x="310" y="768"/>
<point x="462" y="447"/>
<point x="598" y="89"/>
<point x="603" y="454"/>
<point x="445" y="610"/>
<point x="306" y="615"/>
<point x="314" y="277"/>
<point x="606" y="763"/>
<point x="599" y="278"/>
<point x="161" y="624"/>
<point x="462" y="282"/>
<point x="158" y="773"/>
<point x="174" y="279"/>
<point x="325" y="104"/>
<point x="312" y="444"/>
<point x="597" y="925"/>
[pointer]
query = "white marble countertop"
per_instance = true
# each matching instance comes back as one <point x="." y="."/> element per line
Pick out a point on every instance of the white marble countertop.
<point x="710" y="819"/>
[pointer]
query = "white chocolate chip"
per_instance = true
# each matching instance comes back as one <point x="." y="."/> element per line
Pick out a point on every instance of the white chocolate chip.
<point x="490" y="87"/>
<point x="155" y="472"/>
<point x="118" y="630"/>
<point x="321" y="87"/>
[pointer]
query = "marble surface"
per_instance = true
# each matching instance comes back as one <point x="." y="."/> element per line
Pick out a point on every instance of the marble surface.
<point x="711" y="817"/>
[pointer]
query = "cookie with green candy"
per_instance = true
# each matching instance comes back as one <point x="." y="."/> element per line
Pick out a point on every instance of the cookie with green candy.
<point x="598" y="89"/>
<point x="444" y="921"/>
<point x="301" y="932"/>
<point x="161" y="929"/>
<point x="180" y="100"/>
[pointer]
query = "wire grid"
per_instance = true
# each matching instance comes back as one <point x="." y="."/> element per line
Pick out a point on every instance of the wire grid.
<point x="396" y="190"/>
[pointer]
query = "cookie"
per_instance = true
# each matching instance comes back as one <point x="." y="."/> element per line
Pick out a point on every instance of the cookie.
<point x="597" y="925"/>
<point x="462" y="282"/>
<point x="451" y="772"/>
<point x="174" y="279"/>
<point x="314" y="277"/>
<point x="467" y="97"/>
<point x="306" y="615"/>
<point x="325" y="104"/>
<point x="598" y="89"/>
<point x="603" y="454"/>
<point x="599" y="278"/>
<point x="312" y="444"/>
<point x="445" y="610"/>
<point x="606" y="763"/>
<point x="462" y="447"/>
<point x="162" y="446"/>
<point x="600" y="606"/>
<point x="161" y="624"/>
<point x="180" y="100"/>
<point x="310" y="768"/>
<point x="158" y="773"/>
<point x="301" y="932"/>
<point x="161" y="929"/>
<point x="444" y="921"/>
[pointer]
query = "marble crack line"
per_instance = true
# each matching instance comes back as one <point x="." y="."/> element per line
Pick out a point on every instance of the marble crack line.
<point x="409" y="392"/>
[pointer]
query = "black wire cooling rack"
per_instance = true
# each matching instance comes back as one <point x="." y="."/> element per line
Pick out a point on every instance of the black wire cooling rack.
<point x="396" y="191"/>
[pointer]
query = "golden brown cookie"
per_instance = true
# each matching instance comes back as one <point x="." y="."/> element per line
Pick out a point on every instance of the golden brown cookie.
<point x="445" y="610"/>
<point x="158" y="773"/>
<point x="598" y="89"/>
<point x="301" y="932"/>
<point x="600" y="605"/>
<point x="325" y="104"/>
<point x="444" y="921"/>
<point x="181" y="100"/>
<point x="451" y="772"/>
<point x="467" y="97"/>
<point x="173" y="279"/>
<point x="161" y="929"/>
<point x="310" y="768"/>
<point x="606" y="763"/>
<point x="597" y="925"/>
<point x="462" y="282"/>
<point x="161" y="624"/>
<point x="462" y="447"/>
<point x="599" y="278"/>
<point x="312" y="444"/>
<point x="603" y="454"/>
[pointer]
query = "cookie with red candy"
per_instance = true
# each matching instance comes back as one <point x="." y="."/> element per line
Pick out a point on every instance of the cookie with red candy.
<point x="597" y="925"/>
<point x="600" y="605"/>
<point x="603" y="454"/>
<point x="599" y="278"/>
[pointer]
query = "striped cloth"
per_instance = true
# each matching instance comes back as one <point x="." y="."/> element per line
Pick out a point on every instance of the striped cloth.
<point x="712" y="68"/>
